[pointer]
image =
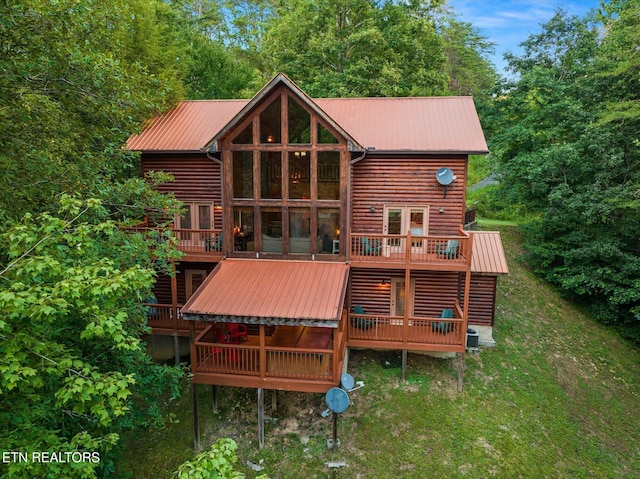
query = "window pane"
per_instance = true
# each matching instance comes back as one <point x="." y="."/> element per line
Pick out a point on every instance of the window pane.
<point x="299" y="174"/>
<point x="272" y="230"/>
<point x="299" y="227"/>
<point x="185" y="218"/>
<point x="299" y="123"/>
<point x="417" y="222"/>
<point x="328" y="175"/>
<point x="245" y="137"/>
<point x="270" y="125"/>
<point x="242" y="174"/>
<point x="325" y="136"/>
<point x="271" y="175"/>
<point x="328" y="230"/>
<point x="243" y="238"/>
<point x="204" y="217"/>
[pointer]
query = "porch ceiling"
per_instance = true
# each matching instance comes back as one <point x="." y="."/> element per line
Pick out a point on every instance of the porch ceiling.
<point x="271" y="292"/>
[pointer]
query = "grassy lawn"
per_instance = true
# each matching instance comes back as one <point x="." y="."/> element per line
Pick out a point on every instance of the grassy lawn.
<point x="557" y="398"/>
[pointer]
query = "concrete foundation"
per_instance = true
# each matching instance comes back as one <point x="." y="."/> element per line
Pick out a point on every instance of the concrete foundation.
<point x="486" y="335"/>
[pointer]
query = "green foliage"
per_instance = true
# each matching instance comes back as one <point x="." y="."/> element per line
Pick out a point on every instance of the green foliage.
<point x="356" y="48"/>
<point x="215" y="463"/>
<point x="72" y="366"/>
<point x="565" y="134"/>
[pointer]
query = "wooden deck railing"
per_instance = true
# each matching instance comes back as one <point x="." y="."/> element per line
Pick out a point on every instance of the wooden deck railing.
<point x="207" y="241"/>
<point x="244" y="360"/>
<point x="166" y="317"/>
<point x="437" y="332"/>
<point x="199" y="241"/>
<point x="442" y="250"/>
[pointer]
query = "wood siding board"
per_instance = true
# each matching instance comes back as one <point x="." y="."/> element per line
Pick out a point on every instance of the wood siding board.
<point x="377" y="181"/>
<point x="196" y="178"/>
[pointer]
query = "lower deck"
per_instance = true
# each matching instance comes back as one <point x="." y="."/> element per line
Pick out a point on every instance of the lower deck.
<point x="296" y="358"/>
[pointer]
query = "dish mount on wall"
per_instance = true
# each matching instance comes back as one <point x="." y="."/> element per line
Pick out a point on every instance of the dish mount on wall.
<point x="445" y="177"/>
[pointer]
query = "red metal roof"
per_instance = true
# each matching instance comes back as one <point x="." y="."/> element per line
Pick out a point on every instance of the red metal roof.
<point x="434" y="124"/>
<point x="262" y="291"/>
<point x="488" y="254"/>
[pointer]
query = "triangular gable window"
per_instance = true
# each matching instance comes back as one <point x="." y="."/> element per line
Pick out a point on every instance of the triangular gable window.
<point x="325" y="136"/>
<point x="245" y="137"/>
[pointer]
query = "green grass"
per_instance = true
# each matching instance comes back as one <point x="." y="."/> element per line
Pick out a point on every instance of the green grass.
<point x="557" y="398"/>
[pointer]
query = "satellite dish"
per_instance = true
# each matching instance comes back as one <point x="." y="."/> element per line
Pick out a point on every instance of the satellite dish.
<point x="445" y="176"/>
<point x="337" y="400"/>
<point x="347" y="382"/>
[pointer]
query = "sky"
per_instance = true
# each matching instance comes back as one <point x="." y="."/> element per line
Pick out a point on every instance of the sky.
<point x="508" y="23"/>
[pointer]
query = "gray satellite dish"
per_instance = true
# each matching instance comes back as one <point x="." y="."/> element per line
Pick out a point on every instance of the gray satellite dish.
<point x="337" y="400"/>
<point x="347" y="382"/>
<point x="445" y="176"/>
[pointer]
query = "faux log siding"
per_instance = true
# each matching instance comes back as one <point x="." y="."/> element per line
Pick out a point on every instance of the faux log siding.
<point x="196" y="178"/>
<point x="162" y="287"/>
<point x="482" y="299"/>
<point x="407" y="181"/>
<point x="434" y="291"/>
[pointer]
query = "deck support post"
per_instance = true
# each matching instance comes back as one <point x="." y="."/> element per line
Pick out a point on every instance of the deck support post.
<point x="261" y="418"/>
<point x="404" y="364"/>
<point x="214" y="397"/>
<point x="176" y="348"/>
<point x="461" y="371"/>
<point x="196" y="422"/>
<point x="274" y="401"/>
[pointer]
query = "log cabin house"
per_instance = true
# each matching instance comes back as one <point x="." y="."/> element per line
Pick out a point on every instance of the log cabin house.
<point x="315" y="225"/>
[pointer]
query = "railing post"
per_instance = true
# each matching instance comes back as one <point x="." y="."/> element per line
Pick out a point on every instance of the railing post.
<point x="263" y="354"/>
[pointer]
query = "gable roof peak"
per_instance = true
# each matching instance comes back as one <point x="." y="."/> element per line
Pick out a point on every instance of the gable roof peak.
<point x="282" y="79"/>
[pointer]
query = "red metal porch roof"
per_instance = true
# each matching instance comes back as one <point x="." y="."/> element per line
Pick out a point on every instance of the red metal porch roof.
<point x="265" y="291"/>
<point x="418" y="124"/>
<point x="488" y="254"/>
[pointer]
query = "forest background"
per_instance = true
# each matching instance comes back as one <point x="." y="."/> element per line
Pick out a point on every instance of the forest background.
<point x="78" y="77"/>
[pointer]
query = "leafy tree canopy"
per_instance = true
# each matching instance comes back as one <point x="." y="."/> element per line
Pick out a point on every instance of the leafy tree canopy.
<point x="565" y="132"/>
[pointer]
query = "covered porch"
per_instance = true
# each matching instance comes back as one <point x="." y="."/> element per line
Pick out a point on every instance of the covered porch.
<point x="270" y="324"/>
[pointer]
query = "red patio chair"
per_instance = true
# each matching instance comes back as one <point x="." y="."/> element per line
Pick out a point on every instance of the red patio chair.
<point x="237" y="332"/>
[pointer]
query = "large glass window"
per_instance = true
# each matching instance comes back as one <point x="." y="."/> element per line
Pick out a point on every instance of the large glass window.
<point x="285" y="169"/>
<point x="270" y="175"/>
<point x="243" y="231"/>
<point x="328" y="230"/>
<point x="299" y="229"/>
<point x="299" y="174"/>
<point x="243" y="174"/>
<point x="299" y="124"/>
<point x="328" y="175"/>
<point x="272" y="230"/>
<point x="270" y="124"/>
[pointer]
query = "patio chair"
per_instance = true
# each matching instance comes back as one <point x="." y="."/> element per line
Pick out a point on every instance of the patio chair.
<point x="443" y="327"/>
<point x="370" y="247"/>
<point x="361" y="323"/>
<point x="450" y="250"/>
<point x="213" y="244"/>
<point x="236" y="332"/>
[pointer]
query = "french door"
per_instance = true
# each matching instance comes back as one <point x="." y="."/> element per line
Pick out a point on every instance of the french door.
<point x="196" y="216"/>
<point x="398" y="297"/>
<point x="398" y="220"/>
